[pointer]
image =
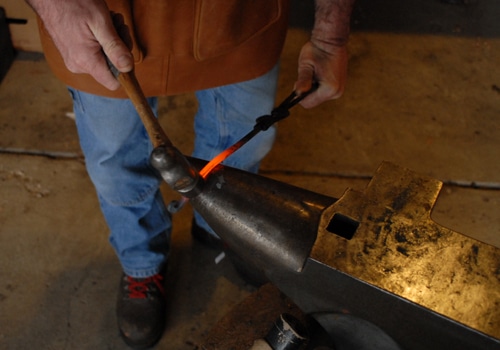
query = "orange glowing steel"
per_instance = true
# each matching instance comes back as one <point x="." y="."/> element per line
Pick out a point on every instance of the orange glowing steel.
<point x="207" y="169"/>
<point x="214" y="162"/>
<point x="175" y="206"/>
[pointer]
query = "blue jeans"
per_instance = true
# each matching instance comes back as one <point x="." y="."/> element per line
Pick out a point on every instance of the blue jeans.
<point x="117" y="150"/>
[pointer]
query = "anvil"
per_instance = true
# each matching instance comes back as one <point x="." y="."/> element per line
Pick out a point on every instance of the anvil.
<point x="371" y="267"/>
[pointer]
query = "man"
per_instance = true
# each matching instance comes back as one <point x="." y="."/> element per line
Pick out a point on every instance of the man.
<point x="226" y="51"/>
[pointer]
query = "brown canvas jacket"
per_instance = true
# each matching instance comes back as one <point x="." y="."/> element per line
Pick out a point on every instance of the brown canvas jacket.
<point x="187" y="45"/>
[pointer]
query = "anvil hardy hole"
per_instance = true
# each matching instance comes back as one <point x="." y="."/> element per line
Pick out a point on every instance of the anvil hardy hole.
<point x="342" y="226"/>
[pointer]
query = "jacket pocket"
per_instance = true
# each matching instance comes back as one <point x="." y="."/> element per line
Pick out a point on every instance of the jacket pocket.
<point x="223" y="25"/>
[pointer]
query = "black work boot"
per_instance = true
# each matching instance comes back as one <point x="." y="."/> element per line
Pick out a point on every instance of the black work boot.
<point x="140" y="310"/>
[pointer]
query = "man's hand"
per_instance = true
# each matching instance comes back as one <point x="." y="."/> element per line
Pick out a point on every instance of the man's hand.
<point x="329" y="69"/>
<point x="324" y="57"/>
<point x="82" y="31"/>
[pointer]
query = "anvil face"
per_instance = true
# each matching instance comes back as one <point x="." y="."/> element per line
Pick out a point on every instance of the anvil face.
<point x="373" y="256"/>
<point x="424" y="285"/>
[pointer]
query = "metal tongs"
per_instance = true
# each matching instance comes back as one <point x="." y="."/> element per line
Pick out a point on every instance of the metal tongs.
<point x="159" y="138"/>
<point x="262" y="123"/>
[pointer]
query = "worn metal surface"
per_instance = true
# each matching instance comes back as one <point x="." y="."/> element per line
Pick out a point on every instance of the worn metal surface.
<point x="398" y="248"/>
<point x="267" y="222"/>
<point x="422" y="284"/>
<point x="373" y="256"/>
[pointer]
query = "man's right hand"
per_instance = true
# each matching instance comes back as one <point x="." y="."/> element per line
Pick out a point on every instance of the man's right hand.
<point x="82" y="31"/>
<point x="324" y="58"/>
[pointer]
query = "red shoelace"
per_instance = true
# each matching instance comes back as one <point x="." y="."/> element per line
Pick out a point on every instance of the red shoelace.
<point x="139" y="287"/>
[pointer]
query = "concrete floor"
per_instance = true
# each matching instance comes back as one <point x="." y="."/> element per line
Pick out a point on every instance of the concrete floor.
<point x="423" y="92"/>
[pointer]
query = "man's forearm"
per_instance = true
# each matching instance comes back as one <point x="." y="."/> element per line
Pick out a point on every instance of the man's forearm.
<point x="332" y="23"/>
<point x="324" y="57"/>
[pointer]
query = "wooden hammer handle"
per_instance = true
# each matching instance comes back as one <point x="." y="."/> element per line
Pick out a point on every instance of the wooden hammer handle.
<point x="132" y="88"/>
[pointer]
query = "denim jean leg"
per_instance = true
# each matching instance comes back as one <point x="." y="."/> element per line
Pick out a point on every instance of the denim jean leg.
<point x="227" y="113"/>
<point x="117" y="149"/>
